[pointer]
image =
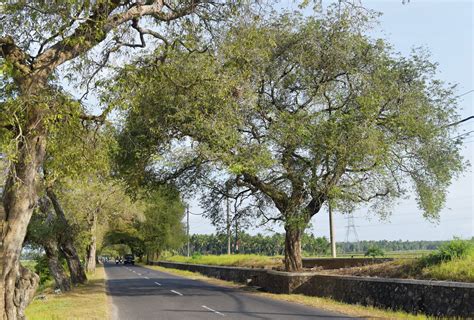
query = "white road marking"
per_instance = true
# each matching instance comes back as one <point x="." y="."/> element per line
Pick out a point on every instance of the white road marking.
<point x="158" y="284"/>
<point x="146" y="278"/>
<point x="139" y="274"/>
<point x="178" y="293"/>
<point x="215" y="311"/>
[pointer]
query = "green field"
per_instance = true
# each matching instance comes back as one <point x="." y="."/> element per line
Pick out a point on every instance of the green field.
<point x="236" y="260"/>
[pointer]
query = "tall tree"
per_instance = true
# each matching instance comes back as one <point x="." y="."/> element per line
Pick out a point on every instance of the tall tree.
<point x="299" y="111"/>
<point x="36" y="39"/>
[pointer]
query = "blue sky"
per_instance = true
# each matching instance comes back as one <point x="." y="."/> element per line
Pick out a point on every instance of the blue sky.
<point x="445" y="28"/>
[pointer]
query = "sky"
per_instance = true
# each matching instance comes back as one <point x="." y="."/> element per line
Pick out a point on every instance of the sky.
<point x="445" y="28"/>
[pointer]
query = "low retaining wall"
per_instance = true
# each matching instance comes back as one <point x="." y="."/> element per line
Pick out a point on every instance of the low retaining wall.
<point x="438" y="298"/>
<point x="338" y="263"/>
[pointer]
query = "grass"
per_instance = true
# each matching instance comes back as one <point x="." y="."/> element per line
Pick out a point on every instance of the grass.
<point x="461" y="269"/>
<point x="446" y="264"/>
<point x="87" y="301"/>
<point x="316" y="302"/>
<point x="236" y="260"/>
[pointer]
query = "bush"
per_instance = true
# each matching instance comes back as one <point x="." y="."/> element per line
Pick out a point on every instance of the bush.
<point x="42" y="269"/>
<point x="374" y="252"/>
<point x="453" y="250"/>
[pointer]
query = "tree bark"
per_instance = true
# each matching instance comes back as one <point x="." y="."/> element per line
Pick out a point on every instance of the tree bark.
<point x="66" y="242"/>
<point x="76" y="270"/>
<point x="17" y="284"/>
<point x="91" y="255"/>
<point x="55" y="267"/>
<point x="293" y="260"/>
<point x="92" y="247"/>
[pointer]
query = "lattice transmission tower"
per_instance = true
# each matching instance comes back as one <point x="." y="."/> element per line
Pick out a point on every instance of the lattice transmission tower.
<point x="351" y="233"/>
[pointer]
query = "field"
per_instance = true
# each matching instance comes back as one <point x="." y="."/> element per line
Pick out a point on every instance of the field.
<point x="453" y="261"/>
<point x="87" y="301"/>
<point x="447" y="263"/>
<point x="235" y="260"/>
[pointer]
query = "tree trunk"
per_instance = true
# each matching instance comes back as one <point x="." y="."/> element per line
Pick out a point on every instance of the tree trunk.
<point x="76" y="270"/>
<point x="55" y="266"/>
<point x="92" y="247"/>
<point x="66" y="242"/>
<point x="91" y="253"/>
<point x="17" y="284"/>
<point x="293" y="260"/>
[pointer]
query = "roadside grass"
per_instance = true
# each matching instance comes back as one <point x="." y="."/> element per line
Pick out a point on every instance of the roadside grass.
<point x="87" y="301"/>
<point x="452" y="262"/>
<point x="461" y="269"/>
<point x="316" y="302"/>
<point x="235" y="260"/>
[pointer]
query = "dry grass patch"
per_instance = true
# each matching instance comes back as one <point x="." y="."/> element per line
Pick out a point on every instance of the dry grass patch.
<point x="87" y="301"/>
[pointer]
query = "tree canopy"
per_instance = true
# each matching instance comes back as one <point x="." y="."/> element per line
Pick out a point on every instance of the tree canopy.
<point x="297" y="112"/>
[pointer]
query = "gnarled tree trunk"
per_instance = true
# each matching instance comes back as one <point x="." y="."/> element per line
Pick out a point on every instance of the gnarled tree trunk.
<point x="293" y="260"/>
<point x="66" y="242"/>
<point x="17" y="284"/>
<point x="55" y="267"/>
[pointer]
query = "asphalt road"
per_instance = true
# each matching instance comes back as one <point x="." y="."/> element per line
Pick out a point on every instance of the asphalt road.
<point x="141" y="293"/>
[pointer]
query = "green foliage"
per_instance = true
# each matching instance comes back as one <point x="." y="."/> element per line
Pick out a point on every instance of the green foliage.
<point x="42" y="269"/>
<point x="158" y="228"/>
<point x="162" y="228"/>
<point x="374" y="252"/>
<point x="456" y="249"/>
<point x="259" y="244"/>
<point x="295" y="111"/>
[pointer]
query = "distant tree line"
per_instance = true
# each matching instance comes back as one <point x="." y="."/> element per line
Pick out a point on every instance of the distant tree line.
<point x="274" y="244"/>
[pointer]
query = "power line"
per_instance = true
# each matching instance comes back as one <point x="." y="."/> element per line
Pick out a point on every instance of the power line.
<point x="463" y="94"/>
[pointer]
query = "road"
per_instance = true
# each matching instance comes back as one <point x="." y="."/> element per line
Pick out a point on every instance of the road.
<point x="141" y="293"/>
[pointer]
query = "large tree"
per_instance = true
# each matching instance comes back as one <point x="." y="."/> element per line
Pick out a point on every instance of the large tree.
<point x="36" y="39"/>
<point x="299" y="111"/>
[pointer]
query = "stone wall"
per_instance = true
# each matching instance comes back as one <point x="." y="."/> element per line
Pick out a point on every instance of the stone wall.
<point x="438" y="298"/>
<point x="338" y="263"/>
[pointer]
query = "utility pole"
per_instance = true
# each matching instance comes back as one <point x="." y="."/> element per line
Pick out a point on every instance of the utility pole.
<point x="187" y="227"/>
<point x="331" y="231"/>
<point x="228" y="227"/>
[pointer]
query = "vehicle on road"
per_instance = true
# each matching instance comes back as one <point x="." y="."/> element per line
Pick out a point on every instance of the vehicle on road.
<point x="118" y="260"/>
<point x="129" y="259"/>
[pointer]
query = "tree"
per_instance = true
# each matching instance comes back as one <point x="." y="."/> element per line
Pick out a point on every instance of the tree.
<point x="162" y="229"/>
<point x="299" y="111"/>
<point x="43" y="231"/>
<point x="37" y="41"/>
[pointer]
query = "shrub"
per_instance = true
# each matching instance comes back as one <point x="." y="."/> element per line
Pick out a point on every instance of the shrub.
<point x="374" y="251"/>
<point x="42" y="269"/>
<point x="453" y="250"/>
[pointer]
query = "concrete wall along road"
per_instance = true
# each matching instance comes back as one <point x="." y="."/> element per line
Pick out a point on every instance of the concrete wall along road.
<point x="436" y="298"/>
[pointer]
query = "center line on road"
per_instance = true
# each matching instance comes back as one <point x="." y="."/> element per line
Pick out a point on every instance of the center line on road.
<point x="178" y="293"/>
<point x="158" y="284"/>
<point x="215" y="311"/>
